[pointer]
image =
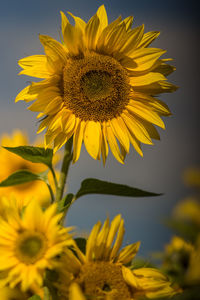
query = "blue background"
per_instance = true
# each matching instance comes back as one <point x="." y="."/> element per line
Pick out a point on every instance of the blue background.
<point x="163" y="164"/>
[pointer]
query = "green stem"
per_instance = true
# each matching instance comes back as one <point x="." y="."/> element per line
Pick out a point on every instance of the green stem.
<point x="51" y="192"/>
<point x="54" y="177"/>
<point x="64" y="169"/>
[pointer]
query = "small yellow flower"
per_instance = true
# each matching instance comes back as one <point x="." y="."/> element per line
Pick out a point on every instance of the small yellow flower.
<point x="188" y="210"/>
<point x="11" y="163"/>
<point x="99" y="86"/>
<point x="102" y="272"/>
<point x="29" y="244"/>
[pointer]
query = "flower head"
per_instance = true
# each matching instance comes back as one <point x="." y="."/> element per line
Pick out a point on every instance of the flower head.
<point x="11" y="163"/>
<point x="29" y="244"/>
<point x="99" y="86"/>
<point x="102" y="271"/>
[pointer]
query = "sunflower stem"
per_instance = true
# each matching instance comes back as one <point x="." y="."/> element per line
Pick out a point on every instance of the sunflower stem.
<point x="51" y="192"/>
<point x="64" y="169"/>
<point x="54" y="177"/>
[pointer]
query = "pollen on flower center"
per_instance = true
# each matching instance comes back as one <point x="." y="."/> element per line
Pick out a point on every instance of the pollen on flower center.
<point x="95" y="87"/>
<point x="30" y="247"/>
<point x="99" y="279"/>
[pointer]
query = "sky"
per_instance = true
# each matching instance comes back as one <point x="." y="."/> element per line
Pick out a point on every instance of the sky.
<point x="161" y="168"/>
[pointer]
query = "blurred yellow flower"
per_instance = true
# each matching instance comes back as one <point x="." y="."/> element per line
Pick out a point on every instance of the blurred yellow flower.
<point x="191" y="177"/>
<point x="193" y="272"/>
<point x="99" y="86"/>
<point x="10" y="163"/>
<point x="29" y="244"/>
<point x="188" y="210"/>
<point x="102" y="271"/>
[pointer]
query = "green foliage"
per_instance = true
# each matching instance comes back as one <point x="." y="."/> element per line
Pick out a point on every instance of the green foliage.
<point x="19" y="177"/>
<point x="33" y="154"/>
<point x="96" y="186"/>
<point x="65" y="203"/>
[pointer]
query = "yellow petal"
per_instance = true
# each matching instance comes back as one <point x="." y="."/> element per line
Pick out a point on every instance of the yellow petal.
<point x="24" y="95"/>
<point x="92" y="137"/>
<point x="73" y="38"/>
<point x="91" y="31"/>
<point x="53" y="49"/>
<point x="146" y="79"/>
<point x="35" y="65"/>
<point x="118" y="241"/>
<point x="64" y="22"/>
<point x="113" y="144"/>
<point x="119" y="130"/>
<point x="145" y="59"/>
<point x="148" y="38"/>
<point x="127" y="254"/>
<point x="77" y="140"/>
<point x="79" y="23"/>
<point x="140" y="110"/>
<point x="136" y="128"/>
<point x="129" y="277"/>
<point x="75" y="292"/>
<point x="135" y="143"/>
<point x="128" y="22"/>
<point x="135" y="36"/>
<point x="112" y="232"/>
<point x="104" y="145"/>
<point x="92" y="241"/>
<point x="102" y="15"/>
<point x="156" y="88"/>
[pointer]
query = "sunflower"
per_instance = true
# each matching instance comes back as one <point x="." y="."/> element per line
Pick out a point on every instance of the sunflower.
<point x="11" y="163"/>
<point x="102" y="271"/>
<point x="29" y="244"/>
<point x="98" y="86"/>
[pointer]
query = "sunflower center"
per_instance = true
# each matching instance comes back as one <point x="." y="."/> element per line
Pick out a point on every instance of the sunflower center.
<point x="100" y="279"/>
<point x="30" y="247"/>
<point x="95" y="87"/>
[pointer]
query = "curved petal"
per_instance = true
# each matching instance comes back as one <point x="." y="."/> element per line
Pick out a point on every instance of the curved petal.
<point x="92" y="137"/>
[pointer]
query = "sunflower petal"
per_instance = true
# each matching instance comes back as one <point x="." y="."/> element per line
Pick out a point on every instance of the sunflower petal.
<point x="92" y="136"/>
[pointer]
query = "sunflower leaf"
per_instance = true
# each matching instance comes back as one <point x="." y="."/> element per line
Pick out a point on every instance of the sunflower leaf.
<point x="96" y="186"/>
<point x="19" y="177"/>
<point x="65" y="203"/>
<point x="33" y="154"/>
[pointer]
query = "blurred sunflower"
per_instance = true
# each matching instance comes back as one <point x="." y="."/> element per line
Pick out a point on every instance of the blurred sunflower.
<point x="29" y="244"/>
<point x="99" y="86"/>
<point x="11" y="163"/>
<point x="102" y="272"/>
<point x="12" y="294"/>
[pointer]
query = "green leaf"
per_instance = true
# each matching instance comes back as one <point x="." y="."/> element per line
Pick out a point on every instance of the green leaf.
<point x="33" y="154"/>
<point x="35" y="297"/>
<point x="65" y="203"/>
<point x="96" y="186"/>
<point x="20" y="177"/>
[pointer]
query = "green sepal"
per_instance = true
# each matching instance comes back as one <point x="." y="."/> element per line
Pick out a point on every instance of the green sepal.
<point x="81" y="243"/>
<point x="20" y="177"/>
<point x="35" y="297"/>
<point x="33" y="154"/>
<point x="65" y="203"/>
<point x="96" y="186"/>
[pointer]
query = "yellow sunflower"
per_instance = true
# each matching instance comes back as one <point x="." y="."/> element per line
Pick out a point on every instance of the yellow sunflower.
<point x="102" y="271"/>
<point x="11" y="163"/>
<point x="99" y="86"/>
<point x="29" y="244"/>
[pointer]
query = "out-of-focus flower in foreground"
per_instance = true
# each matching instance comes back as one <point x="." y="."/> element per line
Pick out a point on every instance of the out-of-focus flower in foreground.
<point x="10" y="163"/>
<point x="99" y="86"/>
<point x="29" y="244"/>
<point x="102" y="272"/>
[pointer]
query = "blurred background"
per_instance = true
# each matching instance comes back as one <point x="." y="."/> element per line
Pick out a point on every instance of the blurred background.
<point x="163" y="164"/>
